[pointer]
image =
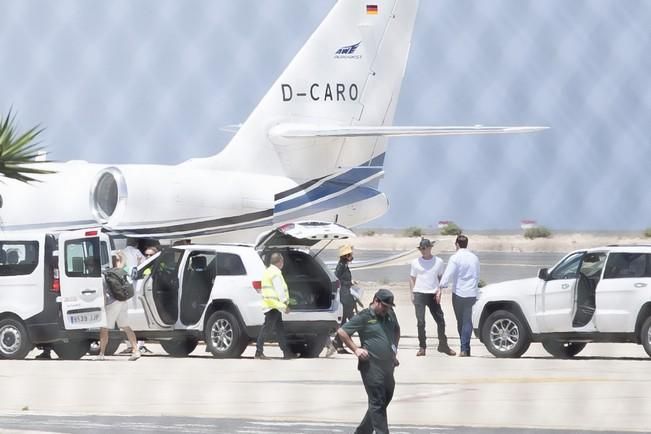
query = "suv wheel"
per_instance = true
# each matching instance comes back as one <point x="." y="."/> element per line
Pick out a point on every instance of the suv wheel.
<point x="14" y="340"/>
<point x="311" y="347"/>
<point x="224" y="335"/>
<point x="73" y="350"/>
<point x="179" y="347"/>
<point x="645" y="336"/>
<point x="563" y="350"/>
<point x="505" y="334"/>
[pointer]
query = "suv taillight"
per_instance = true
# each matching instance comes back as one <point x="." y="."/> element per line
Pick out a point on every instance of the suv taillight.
<point x="56" y="283"/>
<point x="257" y="285"/>
<point x="286" y="227"/>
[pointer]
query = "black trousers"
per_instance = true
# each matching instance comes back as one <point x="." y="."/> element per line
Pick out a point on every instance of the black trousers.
<point x="273" y="320"/>
<point x="347" y="314"/>
<point x="428" y="300"/>
<point x="379" y="384"/>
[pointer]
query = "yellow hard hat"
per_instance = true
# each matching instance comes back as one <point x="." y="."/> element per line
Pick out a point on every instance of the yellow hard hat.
<point x="345" y="250"/>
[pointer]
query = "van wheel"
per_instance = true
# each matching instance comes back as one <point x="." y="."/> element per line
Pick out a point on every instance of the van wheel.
<point x="645" y="336"/>
<point x="505" y="335"/>
<point x="224" y="335"/>
<point x="73" y="350"/>
<point x="563" y="350"/>
<point x="14" y="340"/>
<point x="179" y="347"/>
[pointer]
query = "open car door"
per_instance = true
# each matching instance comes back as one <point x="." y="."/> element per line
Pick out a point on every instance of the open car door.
<point x="81" y="254"/>
<point x="158" y="288"/>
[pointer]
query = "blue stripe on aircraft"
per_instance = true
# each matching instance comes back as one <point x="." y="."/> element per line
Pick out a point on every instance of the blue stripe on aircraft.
<point x="355" y="195"/>
<point x="337" y="184"/>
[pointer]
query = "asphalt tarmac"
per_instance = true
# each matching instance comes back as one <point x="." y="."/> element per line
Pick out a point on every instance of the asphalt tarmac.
<point x="605" y="388"/>
<point x="495" y="266"/>
<point x="168" y="424"/>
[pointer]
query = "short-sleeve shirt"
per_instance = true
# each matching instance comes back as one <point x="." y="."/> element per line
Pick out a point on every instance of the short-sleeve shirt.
<point x="376" y="333"/>
<point x="426" y="272"/>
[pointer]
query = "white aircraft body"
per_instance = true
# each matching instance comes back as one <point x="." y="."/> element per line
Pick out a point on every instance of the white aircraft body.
<point x="313" y="148"/>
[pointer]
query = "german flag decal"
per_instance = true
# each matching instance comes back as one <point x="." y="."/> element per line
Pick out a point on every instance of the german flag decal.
<point x="371" y="9"/>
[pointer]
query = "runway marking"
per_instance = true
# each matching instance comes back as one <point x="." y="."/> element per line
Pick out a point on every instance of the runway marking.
<point x="417" y="396"/>
<point x="483" y="264"/>
<point x="498" y="380"/>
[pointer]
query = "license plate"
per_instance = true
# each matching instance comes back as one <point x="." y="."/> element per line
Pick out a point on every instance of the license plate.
<point x="84" y="318"/>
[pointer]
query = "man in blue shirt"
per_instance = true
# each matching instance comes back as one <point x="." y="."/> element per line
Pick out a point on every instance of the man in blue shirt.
<point x="379" y="333"/>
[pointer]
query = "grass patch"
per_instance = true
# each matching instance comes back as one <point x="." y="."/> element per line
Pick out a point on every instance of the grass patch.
<point x="413" y="231"/>
<point x="451" y="229"/>
<point x="537" y="232"/>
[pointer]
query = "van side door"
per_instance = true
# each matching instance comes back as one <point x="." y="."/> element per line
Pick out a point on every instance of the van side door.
<point x="82" y="288"/>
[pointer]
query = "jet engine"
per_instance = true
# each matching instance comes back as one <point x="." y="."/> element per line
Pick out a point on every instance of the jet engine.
<point x="163" y="201"/>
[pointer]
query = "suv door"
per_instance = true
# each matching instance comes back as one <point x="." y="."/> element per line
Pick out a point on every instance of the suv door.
<point x="82" y="289"/>
<point x="623" y="289"/>
<point x="589" y="277"/>
<point x="159" y="280"/>
<point x="555" y="301"/>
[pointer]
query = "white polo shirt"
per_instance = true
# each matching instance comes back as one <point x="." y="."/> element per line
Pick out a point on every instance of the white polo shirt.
<point x="426" y="272"/>
<point x="463" y="273"/>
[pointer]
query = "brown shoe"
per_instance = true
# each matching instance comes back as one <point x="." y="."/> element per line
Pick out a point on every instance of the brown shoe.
<point x="421" y="352"/>
<point x="447" y="350"/>
<point x="464" y="354"/>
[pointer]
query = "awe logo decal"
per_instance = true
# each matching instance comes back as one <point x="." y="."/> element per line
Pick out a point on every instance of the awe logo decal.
<point x="348" y="52"/>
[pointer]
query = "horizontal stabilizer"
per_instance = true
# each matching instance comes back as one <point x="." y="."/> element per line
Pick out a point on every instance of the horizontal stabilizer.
<point x="290" y="131"/>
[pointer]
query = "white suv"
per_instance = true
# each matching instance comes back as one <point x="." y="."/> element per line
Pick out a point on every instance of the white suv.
<point x="594" y="295"/>
<point x="211" y="293"/>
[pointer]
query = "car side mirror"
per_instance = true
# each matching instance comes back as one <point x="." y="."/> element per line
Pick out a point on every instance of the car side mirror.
<point x="542" y="274"/>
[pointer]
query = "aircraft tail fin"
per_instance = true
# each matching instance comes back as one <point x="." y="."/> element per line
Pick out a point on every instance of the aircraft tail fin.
<point x="348" y="73"/>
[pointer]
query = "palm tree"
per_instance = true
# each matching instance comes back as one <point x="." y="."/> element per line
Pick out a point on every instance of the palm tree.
<point x="19" y="151"/>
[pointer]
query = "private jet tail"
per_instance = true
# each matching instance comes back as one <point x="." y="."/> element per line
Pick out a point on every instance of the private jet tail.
<point x="321" y="113"/>
<point x="333" y="106"/>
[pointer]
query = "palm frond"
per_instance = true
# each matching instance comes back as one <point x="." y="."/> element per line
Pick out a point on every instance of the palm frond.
<point x="19" y="151"/>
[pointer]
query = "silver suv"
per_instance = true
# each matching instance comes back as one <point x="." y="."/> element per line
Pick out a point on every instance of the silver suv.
<point x="592" y="295"/>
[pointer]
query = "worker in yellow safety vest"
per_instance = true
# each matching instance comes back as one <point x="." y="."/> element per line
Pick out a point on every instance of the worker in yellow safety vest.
<point x="275" y="299"/>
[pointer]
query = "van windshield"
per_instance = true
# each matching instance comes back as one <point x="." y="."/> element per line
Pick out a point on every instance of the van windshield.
<point x="18" y="257"/>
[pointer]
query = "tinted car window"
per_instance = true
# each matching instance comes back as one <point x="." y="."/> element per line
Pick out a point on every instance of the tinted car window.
<point x="568" y="268"/>
<point x="18" y="257"/>
<point x="627" y="265"/>
<point x="229" y="264"/>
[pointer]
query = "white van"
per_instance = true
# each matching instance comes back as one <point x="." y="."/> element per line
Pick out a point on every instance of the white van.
<point x="211" y="293"/>
<point x="51" y="290"/>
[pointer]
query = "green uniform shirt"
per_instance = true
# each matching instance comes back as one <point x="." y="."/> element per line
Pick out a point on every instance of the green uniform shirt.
<point x="376" y="333"/>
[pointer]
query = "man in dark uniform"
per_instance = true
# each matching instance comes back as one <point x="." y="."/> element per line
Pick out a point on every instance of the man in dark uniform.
<point x="379" y="333"/>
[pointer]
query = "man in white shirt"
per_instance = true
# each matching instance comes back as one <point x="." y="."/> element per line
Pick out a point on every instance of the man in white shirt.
<point x="132" y="258"/>
<point x="424" y="279"/>
<point x="462" y="273"/>
<point x="132" y="255"/>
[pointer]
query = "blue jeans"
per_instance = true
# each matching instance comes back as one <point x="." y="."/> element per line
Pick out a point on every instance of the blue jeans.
<point x="463" y="311"/>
